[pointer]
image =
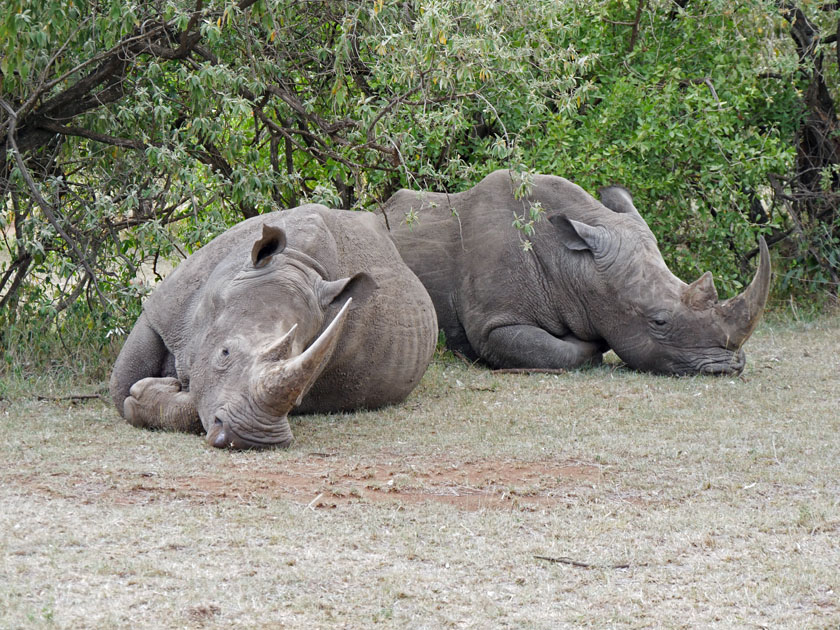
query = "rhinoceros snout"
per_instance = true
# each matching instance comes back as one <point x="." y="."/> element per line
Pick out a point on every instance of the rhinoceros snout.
<point x="221" y="435"/>
<point x="731" y="367"/>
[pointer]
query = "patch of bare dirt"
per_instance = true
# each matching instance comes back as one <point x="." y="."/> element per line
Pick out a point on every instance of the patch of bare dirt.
<point x="324" y="483"/>
<point x="320" y="481"/>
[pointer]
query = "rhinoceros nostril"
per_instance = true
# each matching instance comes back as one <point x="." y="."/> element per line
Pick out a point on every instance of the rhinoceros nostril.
<point x="220" y="436"/>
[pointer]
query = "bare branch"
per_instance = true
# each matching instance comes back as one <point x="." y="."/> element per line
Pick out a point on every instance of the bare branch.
<point x="19" y="267"/>
<point x="46" y="208"/>
<point x="636" y="22"/>
<point x="93" y="135"/>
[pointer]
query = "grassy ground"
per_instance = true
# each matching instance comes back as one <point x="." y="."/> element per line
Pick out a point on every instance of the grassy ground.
<point x="684" y="503"/>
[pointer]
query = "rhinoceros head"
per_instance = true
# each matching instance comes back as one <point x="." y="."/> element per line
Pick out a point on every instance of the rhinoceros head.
<point x="648" y="316"/>
<point x="268" y="337"/>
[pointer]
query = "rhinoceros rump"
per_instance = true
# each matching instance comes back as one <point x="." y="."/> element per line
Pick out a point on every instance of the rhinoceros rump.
<point x="594" y="279"/>
<point x="308" y="309"/>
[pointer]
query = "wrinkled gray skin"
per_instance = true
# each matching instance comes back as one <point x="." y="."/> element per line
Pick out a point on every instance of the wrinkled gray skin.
<point x="594" y="280"/>
<point x="309" y="309"/>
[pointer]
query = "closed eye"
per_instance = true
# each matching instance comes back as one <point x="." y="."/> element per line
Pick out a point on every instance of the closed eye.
<point x="660" y="322"/>
<point x="224" y="355"/>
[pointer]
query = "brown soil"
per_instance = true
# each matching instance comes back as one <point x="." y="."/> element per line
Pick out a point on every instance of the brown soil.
<point x="320" y="480"/>
<point x="323" y="483"/>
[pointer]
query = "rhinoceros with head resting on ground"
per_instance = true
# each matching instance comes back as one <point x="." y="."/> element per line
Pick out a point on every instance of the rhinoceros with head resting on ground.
<point x="309" y="309"/>
<point x="594" y="279"/>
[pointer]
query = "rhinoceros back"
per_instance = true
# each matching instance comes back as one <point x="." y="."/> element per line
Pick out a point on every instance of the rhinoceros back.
<point x="390" y="336"/>
<point x="473" y="263"/>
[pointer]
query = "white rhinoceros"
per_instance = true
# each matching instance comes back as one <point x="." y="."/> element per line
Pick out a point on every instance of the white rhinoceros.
<point x="593" y="280"/>
<point x="308" y="308"/>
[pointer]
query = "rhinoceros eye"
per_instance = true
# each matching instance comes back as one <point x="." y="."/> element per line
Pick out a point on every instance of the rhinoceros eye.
<point x="221" y="360"/>
<point x="659" y="321"/>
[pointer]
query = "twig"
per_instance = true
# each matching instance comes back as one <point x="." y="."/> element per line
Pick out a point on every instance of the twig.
<point x="313" y="502"/>
<point x="464" y="358"/>
<point x="69" y="397"/>
<point x="388" y="107"/>
<point x="707" y="81"/>
<point x="583" y="565"/>
<point x="529" y="371"/>
<point x="92" y="135"/>
<point x="636" y="22"/>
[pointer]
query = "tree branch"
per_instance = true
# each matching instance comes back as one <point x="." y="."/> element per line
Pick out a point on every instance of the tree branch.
<point x="93" y="135"/>
<point x="46" y="208"/>
<point x="19" y="267"/>
<point x="638" y="19"/>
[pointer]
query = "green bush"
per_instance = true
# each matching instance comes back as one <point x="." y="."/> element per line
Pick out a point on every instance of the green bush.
<point x="135" y="132"/>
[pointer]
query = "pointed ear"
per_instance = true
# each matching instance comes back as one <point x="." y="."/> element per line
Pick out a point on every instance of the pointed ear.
<point x="580" y="236"/>
<point x="618" y="199"/>
<point x="701" y="293"/>
<point x="272" y="241"/>
<point x="359" y="286"/>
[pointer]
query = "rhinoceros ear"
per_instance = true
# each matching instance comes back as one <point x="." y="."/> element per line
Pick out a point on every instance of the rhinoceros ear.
<point x="272" y="241"/>
<point x="580" y="236"/>
<point x="618" y="199"/>
<point x="359" y="286"/>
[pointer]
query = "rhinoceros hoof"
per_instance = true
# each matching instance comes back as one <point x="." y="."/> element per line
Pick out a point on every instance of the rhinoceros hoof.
<point x="147" y="400"/>
<point x="149" y="387"/>
<point x="135" y="414"/>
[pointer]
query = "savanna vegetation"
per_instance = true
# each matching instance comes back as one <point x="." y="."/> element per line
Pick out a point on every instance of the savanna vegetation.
<point x="133" y="132"/>
<point x="603" y="498"/>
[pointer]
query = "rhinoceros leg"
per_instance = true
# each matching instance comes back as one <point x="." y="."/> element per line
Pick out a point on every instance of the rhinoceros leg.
<point x="522" y="346"/>
<point x="159" y="403"/>
<point x="143" y="354"/>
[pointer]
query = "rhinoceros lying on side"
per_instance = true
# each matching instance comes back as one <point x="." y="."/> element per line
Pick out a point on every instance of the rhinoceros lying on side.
<point x="594" y="280"/>
<point x="309" y="308"/>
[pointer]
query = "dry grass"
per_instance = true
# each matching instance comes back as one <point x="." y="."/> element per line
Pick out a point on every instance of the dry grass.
<point x="721" y="496"/>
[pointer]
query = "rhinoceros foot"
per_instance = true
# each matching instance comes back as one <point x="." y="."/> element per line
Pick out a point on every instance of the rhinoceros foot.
<point x="159" y="403"/>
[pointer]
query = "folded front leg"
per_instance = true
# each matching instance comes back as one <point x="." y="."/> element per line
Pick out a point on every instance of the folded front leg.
<point x="522" y="346"/>
<point x="159" y="403"/>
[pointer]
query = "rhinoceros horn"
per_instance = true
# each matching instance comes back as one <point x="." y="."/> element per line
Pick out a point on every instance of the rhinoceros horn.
<point x="701" y="293"/>
<point x="739" y="315"/>
<point x="285" y="380"/>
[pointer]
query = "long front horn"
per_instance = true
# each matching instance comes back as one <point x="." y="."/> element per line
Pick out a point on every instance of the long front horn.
<point x="740" y="314"/>
<point x="283" y="385"/>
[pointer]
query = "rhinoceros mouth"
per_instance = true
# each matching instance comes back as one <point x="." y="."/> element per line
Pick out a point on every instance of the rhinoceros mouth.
<point x="239" y="442"/>
<point x="721" y="363"/>
<point x="224" y="435"/>
<point x="253" y="428"/>
<point x="730" y="366"/>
